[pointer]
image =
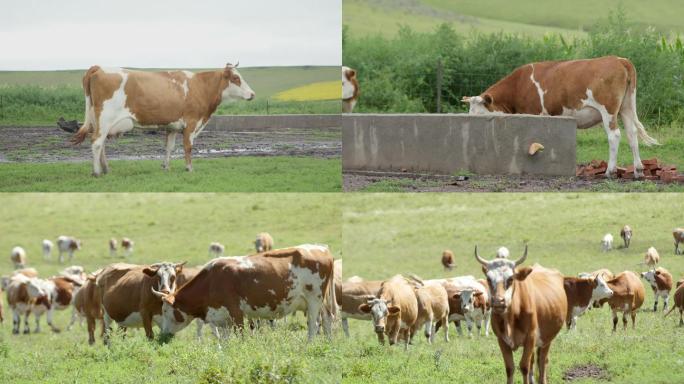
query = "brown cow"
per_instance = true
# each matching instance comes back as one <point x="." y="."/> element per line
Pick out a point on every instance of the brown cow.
<point x="433" y="305"/>
<point x="263" y="242"/>
<point x="394" y="310"/>
<point x="581" y="292"/>
<point x="592" y="91"/>
<point x="126" y="294"/>
<point x="352" y="294"/>
<point x="448" y="260"/>
<point x="678" y="234"/>
<point x="116" y="100"/>
<point x="628" y="296"/>
<point x="350" y="89"/>
<point x="88" y="304"/>
<point x="262" y="286"/>
<point x="528" y="309"/>
<point x="661" y="283"/>
<point x="626" y="234"/>
<point x="678" y="302"/>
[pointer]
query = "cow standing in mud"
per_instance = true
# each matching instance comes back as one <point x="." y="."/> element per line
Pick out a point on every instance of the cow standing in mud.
<point x="117" y="100"/>
<point x="592" y="91"/>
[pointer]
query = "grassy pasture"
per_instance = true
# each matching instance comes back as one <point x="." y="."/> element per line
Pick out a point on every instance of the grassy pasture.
<point x="231" y="174"/>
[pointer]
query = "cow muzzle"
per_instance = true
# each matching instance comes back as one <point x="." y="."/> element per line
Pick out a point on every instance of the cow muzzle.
<point x="498" y="304"/>
<point x="379" y="329"/>
<point x="251" y="96"/>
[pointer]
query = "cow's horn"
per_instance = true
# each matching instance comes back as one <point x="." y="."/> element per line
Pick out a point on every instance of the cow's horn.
<point x="480" y="259"/>
<point x="237" y="64"/>
<point x="160" y="295"/>
<point x="522" y="259"/>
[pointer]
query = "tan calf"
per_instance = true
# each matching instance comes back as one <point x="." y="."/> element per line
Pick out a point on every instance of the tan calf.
<point x="433" y="305"/>
<point x="448" y="260"/>
<point x="626" y="234"/>
<point x="628" y="296"/>
<point x="678" y="234"/>
<point x="651" y="258"/>
<point x="263" y="242"/>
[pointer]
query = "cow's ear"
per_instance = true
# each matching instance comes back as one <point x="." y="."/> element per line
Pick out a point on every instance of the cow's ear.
<point x="150" y="271"/>
<point x="351" y="73"/>
<point x="522" y="273"/>
<point x="365" y="308"/>
<point x="393" y="309"/>
<point x="478" y="294"/>
<point x="487" y="98"/>
<point x="179" y="267"/>
<point x="657" y="272"/>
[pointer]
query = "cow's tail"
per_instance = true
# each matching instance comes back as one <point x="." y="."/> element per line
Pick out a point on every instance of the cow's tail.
<point x="630" y="98"/>
<point x="89" y="118"/>
<point x="670" y="311"/>
<point x="330" y="299"/>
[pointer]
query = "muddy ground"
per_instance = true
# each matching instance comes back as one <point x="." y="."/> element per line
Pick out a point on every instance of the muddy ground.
<point x="51" y="144"/>
<point x="410" y="182"/>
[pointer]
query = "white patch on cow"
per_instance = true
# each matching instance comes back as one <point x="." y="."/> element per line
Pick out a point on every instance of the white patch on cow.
<point x="663" y="293"/>
<point x="502" y="253"/>
<point x="198" y="129"/>
<point x="602" y="290"/>
<point x="272" y="292"/>
<point x="586" y="117"/>
<point x="540" y="92"/>
<point x="115" y="117"/>
<point x="313" y="247"/>
<point x="232" y="91"/>
<point x="134" y="320"/>
<point x="186" y="89"/>
<point x="189" y="74"/>
<point x="112" y="70"/>
<point x="177" y="125"/>
<point x="219" y="317"/>
<point x="242" y="261"/>
<point x="256" y="281"/>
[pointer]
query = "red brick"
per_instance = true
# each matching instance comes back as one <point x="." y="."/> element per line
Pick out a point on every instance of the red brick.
<point x="630" y="169"/>
<point x="628" y="175"/>
<point x="651" y="177"/>
<point x="653" y="161"/>
<point x="667" y="176"/>
<point x="621" y="170"/>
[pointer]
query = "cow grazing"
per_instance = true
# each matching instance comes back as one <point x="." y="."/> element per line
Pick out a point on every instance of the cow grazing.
<point x="47" y="249"/>
<point x="127" y="245"/>
<point x="216" y="249"/>
<point x="580" y="293"/>
<point x="661" y="283"/>
<point x="127" y="297"/>
<point x="266" y="285"/>
<point x="88" y="303"/>
<point x="351" y="294"/>
<point x="529" y="308"/>
<point x="607" y="242"/>
<point x="678" y="302"/>
<point x="394" y="310"/>
<point x="448" y="260"/>
<point x="628" y="296"/>
<point x="626" y="234"/>
<point x="678" y="234"/>
<point x="18" y="257"/>
<point x="433" y="305"/>
<point x="69" y="245"/>
<point x="651" y="258"/>
<point x="263" y="242"/>
<point x="113" y="247"/>
<point x="117" y="100"/>
<point x="592" y="91"/>
<point x="350" y="89"/>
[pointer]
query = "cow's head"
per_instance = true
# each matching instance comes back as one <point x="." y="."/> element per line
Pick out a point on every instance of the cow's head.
<point x="259" y="245"/>
<point x="501" y="273"/>
<point x="167" y="275"/>
<point x="480" y="105"/>
<point x="173" y="319"/>
<point x="380" y="310"/>
<point x="467" y="298"/>
<point x="234" y="86"/>
<point x="502" y="253"/>
<point x="349" y="83"/>
<point x="650" y="276"/>
<point x="601" y="289"/>
<point x="75" y="245"/>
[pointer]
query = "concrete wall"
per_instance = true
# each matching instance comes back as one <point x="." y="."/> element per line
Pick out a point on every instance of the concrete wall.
<point x="261" y="122"/>
<point x="446" y="143"/>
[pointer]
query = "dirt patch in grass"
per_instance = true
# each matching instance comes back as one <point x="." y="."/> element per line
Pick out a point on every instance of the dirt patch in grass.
<point x="586" y="371"/>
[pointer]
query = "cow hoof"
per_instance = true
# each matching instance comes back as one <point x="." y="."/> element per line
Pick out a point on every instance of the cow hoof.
<point x="56" y="330"/>
<point x="188" y="168"/>
<point x="15" y="331"/>
<point x="95" y="174"/>
<point x="26" y="331"/>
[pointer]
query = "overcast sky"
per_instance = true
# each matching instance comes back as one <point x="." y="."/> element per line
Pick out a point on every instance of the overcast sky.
<point x="75" y="34"/>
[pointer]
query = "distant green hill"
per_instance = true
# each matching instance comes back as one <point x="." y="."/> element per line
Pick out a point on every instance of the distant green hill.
<point x="266" y="81"/>
<point x="530" y="17"/>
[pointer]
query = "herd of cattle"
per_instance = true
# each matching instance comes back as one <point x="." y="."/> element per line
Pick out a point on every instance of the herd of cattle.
<point x="524" y="306"/>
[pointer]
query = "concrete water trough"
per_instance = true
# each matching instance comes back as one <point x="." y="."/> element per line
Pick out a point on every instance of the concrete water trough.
<point x="450" y="143"/>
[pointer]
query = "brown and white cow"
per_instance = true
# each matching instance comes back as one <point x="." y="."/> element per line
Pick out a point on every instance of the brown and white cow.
<point x="266" y="285"/>
<point x="626" y="234"/>
<point x="113" y="247"/>
<point x="55" y="293"/>
<point x="678" y="234"/>
<point x="628" y="296"/>
<point x="18" y="257"/>
<point x="448" y="260"/>
<point x="350" y="89"/>
<point x="652" y="258"/>
<point x="117" y="100"/>
<point x="529" y="308"/>
<point x="678" y="302"/>
<point x="263" y="242"/>
<point x="661" y="283"/>
<point x="394" y="310"/>
<point x="469" y="301"/>
<point x="126" y="294"/>
<point x="581" y="292"/>
<point x="592" y="91"/>
<point x="88" y="303"/>
<point x="350" y="295"/>
<point x="69" y="245"/>
<point x="433" y="306"/>
<point x="127" y="245"/>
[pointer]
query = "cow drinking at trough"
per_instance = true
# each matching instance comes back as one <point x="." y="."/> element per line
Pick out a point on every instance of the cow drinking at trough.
<point x="592" y="91"/>
<point x="529" y="308"/>
<point x="126" y="294"/>
<point x="660" y="280"/>
<point x="266" y="285"/>
<point x="117" y="99"/>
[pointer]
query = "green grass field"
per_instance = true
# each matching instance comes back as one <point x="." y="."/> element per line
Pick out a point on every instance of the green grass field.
<point x="377" y="235"/>
<point x="232" y="174"/>
<point x="525" y="17"/>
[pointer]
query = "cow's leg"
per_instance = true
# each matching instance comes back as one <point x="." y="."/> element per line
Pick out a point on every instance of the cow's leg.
<point x="613" y="144"/>
<point x="103" y="160"/>
<point x="615" y="320"/>
<point x="326" y="319"/>
<point x="170" y="144"/>
<point x="61" y="256"/>
<point x="488" y="321"/>
<point x="543" y="362"/>
<point x="458" y="327"/>
<point x="526" y="360"/>
<point x="16" y="321"/>
<point x="74" y="317"/>
<point x="71" y="255"/>
<point x="507" y="354"/>
<point x="655" y="304"/>
<point x="147" y="325"/>
<point x="665" y="302"/>
<point x="91" y="329"/>
<point x="199" y="323"/>
<point x="313" y="308"/>
<point x="188" y="139"/>
<point x="633" y="313"/>
<point x="345" y="326"/>
<point x="97" y="147"/>
<point x="631" y="122"/>
<point x="445" y="321"/>
<point x="107" y="328"/>
<point x="681" y="317"/>
<point x="37" y="318"/>
<point x="49" y="320"/>
<point x="469" y="325"/>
